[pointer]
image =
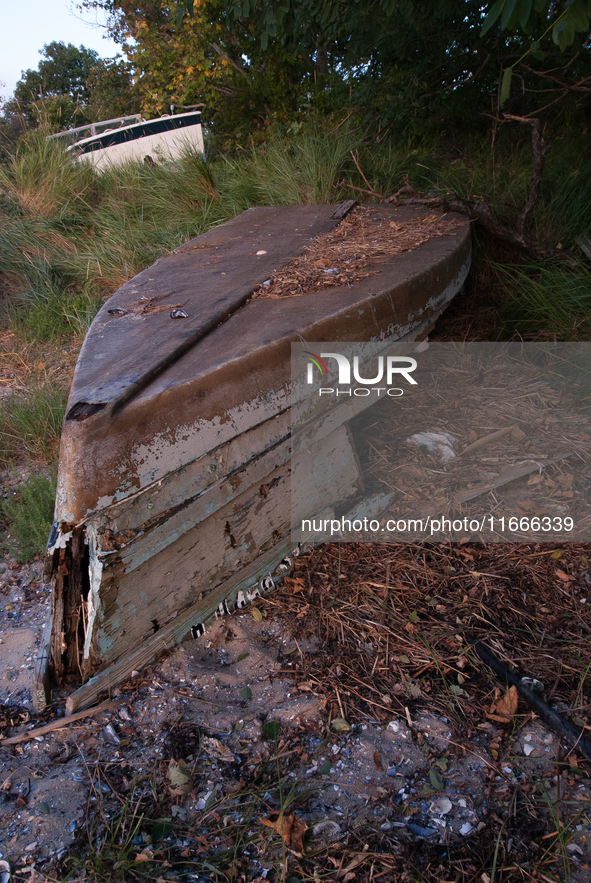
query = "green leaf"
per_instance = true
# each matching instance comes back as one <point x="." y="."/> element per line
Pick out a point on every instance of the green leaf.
<point x="413" y="616"/>
<point x="272" y="729"/>
<point x="436" y="779"/>
<point x="523" y="11"/>
<point x="246" y="693"/>
<point x="557" y="553"/>
<point x="242" y="656"/>
<point x="579" y="16"/>
<point x="507" y="15"/>
<point x="43" y="807"/>
<point x="256" y="614"/>
<point x="404" y="659"/>
<point x="492" y="16"/>
<point x="563" y="33"/>
<point x="530" y="25"/>
<point x="325" y="768"/>
<point x="506" y="85"/>
<point x="162" y="828"/>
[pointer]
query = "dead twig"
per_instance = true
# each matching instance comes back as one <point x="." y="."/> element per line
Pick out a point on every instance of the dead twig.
<point x="540" y="150"/>
<point x="482" y="212"/>
<point x="406" y="188"/>
<point x="60" y="724"/>
<point x="355" y="156"/>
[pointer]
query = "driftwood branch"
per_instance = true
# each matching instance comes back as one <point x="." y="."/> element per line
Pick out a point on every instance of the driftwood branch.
<point x="481" y="212"/>
<point x="406" y="188"/>
<point x="59" y="724"/>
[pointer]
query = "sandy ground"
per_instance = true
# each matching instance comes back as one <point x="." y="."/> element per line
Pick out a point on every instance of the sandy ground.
<point x="194" y="727"/>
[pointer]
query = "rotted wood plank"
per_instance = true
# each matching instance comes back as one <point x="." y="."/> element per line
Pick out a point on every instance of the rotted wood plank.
<point x="195" y="478"/>
<point x="42" y="689"/>
<point x="200" y="614"/>
<point x="145" y="584"/>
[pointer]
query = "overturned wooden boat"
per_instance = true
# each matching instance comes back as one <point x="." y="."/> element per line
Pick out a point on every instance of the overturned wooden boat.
<point x="174" y="502"/>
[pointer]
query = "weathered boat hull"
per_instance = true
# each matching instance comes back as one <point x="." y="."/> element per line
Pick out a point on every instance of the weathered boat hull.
<point x="174" y="498"/>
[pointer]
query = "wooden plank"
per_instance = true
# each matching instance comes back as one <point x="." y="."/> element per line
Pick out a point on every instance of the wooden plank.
<point x="155" y="535"/>
<point x="344" y="208"/>
<point x="194" y="478"/>
<point x="202" y="613"/>
<point x="146" y="584"/>
<point x="42" y="689"/>
<point x="274" y="563"/>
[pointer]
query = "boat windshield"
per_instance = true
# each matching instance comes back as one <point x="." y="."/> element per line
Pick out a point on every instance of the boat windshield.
<point x="74" y="135"/>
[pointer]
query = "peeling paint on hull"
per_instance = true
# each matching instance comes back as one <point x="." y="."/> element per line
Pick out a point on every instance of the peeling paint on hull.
<point x="182" y="497"/>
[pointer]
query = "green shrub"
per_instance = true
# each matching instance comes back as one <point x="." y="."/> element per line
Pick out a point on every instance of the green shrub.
<point x="29" y="513"/>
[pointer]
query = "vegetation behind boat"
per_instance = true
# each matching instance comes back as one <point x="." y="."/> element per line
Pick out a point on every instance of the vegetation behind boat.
<point x="70" y="238"/>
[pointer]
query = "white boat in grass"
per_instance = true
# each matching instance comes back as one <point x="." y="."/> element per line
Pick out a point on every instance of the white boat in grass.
<point x="119" y="140"/>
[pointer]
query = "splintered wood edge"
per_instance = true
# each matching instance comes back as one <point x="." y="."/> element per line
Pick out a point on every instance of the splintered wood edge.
<point x="42" y="688"/>
<point x="171" y="634"/>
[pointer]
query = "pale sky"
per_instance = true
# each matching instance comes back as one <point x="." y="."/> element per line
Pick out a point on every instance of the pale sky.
<point x="27" y="26"/>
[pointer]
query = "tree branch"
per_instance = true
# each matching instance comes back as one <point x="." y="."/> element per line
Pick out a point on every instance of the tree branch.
<point x="481" y="212"/>
<point x="540" y="149"/>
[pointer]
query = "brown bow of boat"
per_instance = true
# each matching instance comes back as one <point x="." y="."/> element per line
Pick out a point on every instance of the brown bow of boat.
<point x="174" y="500"/>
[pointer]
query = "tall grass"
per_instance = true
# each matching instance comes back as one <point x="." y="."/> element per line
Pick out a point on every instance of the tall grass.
<point x="42" y="179"/>
<point x="31" y="422"/>
<point x="548" y="300"/>
<point x="29" y="512"/>
<point x="303" y="170"/>
<point x="70" y="237"/>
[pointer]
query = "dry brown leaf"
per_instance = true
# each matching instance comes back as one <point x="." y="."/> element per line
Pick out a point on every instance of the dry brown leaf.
<point x="378" y="761"/>
<point x="504" y="709"/>
<point x="354" y="863"/>
<point x="290" y="828"/>
<point x="179" y="777"/>
<point x="564" y="576"/>
<point x="218" y="750"/>
<point x="146" y="855"/>
<point x="294" y="584"/>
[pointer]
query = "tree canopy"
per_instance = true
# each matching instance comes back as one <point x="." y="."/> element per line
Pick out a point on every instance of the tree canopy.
<point x="71" y="86"/>
<point x="401" y="61"/>
<point x="397" y="65"/>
